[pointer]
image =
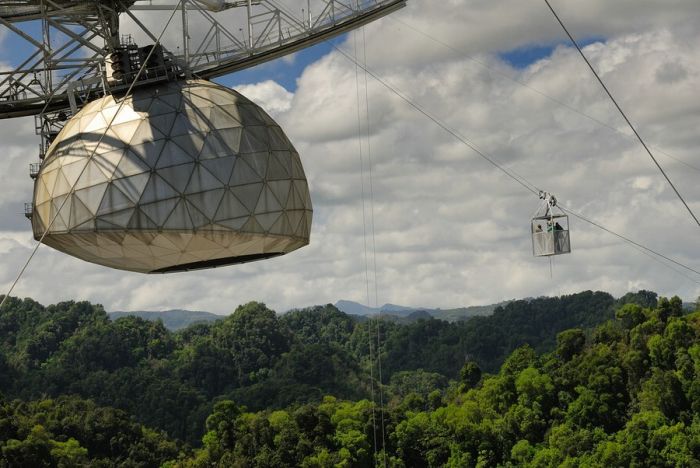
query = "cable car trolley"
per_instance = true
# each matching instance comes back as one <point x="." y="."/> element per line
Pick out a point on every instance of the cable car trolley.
<point x="550" y="228"/>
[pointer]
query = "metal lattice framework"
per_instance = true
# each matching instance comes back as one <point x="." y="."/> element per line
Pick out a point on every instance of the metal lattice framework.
<point x="146" y="165"/>
<point x="67" y="41"/>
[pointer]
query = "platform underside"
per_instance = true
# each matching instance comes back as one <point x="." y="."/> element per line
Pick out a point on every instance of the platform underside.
<point x="169" y="252"/>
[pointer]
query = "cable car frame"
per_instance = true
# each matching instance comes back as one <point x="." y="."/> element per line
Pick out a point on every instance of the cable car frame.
<point x="550" y="228"/>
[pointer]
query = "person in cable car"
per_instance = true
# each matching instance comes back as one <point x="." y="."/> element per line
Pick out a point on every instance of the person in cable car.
<point x="555" y="241"/>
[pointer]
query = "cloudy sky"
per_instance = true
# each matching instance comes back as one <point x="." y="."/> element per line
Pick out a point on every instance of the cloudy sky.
<point x="449" y="229"/>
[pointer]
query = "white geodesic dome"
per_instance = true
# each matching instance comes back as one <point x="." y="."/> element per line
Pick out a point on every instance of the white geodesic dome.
<point x="189" y="175"/>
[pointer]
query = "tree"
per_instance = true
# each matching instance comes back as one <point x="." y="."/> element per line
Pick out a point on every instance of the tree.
<point x="34" y="450"/>
<point x="419" y="382"/>
<point x="570" y="343"/>
<point x="470" y="374"/>
<point x="221" y="424"/>
<point x="663" y="392"/>
<point x="254" y="337"/>
<point x="642" y="298"/>
<point x="69" y="453"/>
<point x="630" y="315"/>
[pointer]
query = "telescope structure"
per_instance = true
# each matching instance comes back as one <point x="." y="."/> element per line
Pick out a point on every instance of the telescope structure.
<point x="179" y="173"/>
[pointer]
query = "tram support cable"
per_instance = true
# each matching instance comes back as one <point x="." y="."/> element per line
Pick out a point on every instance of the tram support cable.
<point x="378" y="348"/>
<point x="495" y="71"/>
<point x="510" y="172"/>
<point x="607" y="91"/>
<point x="370" y="337"/>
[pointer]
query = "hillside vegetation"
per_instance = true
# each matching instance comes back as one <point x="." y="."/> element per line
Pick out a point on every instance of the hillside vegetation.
<point x="172" y="319"/>
<point x="575" y="380"/>
<point x="402" y="312"/>
<point x="625" y="394"/>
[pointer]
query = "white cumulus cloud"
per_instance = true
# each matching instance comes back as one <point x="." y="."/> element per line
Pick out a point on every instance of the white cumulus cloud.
<point x="269" y="95"/>
<point x="448" y="227"/>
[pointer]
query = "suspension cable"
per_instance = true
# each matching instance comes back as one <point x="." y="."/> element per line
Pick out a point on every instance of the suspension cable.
<point x="370" y="338"/>
<point x="528" y="86"/>
<point x="573" y="41"/>
<point x="624" y="238"/>
<point x="90" y="157"/>
<point x="374" y="251"/>
<point x="510" y="172"/>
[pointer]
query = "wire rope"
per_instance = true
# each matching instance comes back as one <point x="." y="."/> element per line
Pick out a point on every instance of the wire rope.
<point x="639" y="137"/>
<point x="524" y="84"/>
<point x="625" y="238"/>
<point x="511" y="173"/>
<point x="90" y="157"/>
<point x="370" y="337"/>
<point x="378" y="348"/>
<point x="677" y="270"/>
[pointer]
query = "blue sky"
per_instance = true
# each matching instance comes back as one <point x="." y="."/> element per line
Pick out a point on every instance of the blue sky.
<point x="523" y="57"/>
<point x="286" y="70"/>
<point x="451" y="231"/>
<point x="14" y="49"/>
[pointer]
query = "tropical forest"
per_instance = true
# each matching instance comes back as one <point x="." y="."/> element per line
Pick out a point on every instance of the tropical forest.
<point x="578" y="380"/>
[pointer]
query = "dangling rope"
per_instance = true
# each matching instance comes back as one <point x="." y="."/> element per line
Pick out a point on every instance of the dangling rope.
<point x="370" y="337"/>
<point x="92" y="155"/>
<point x="374" y="251"/>
<point x="551" y="270"/>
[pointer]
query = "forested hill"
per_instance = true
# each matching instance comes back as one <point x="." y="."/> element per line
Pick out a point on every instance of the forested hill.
<point x="170" y="381"/>
<point x="442" y="347"/>
<point x="402" y="312"/>
<point x="627" y="393"/>
<point x="172" y="319"/>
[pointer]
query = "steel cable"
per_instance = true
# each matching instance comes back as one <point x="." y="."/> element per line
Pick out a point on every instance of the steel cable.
<point x="573" y="41"/>
<point x="509" y="172"/>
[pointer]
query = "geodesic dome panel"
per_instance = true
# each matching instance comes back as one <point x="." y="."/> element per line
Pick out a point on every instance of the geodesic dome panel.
<point x="189" y="175"/>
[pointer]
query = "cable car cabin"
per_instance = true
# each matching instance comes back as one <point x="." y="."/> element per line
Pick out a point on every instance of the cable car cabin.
<point x="550" y="229"/>
<point x="550" y="235"/>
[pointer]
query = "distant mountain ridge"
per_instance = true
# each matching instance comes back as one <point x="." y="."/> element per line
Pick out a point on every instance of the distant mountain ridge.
<point x="172" y="319"/>
<point x="177" y="319"/>
<point x="402" y="312"/>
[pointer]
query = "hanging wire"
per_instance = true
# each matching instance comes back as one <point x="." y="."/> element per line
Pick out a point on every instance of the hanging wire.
<point x="677" y="270"/>
<point x="626" y="239"/>
<point x="510" y="172"/>
<point x="370" y="337"/>
<point x="526" y="85"/>
<point x="374" y="251"/>
<point x="573" y="41"/>
<point x="87" y="162"/>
